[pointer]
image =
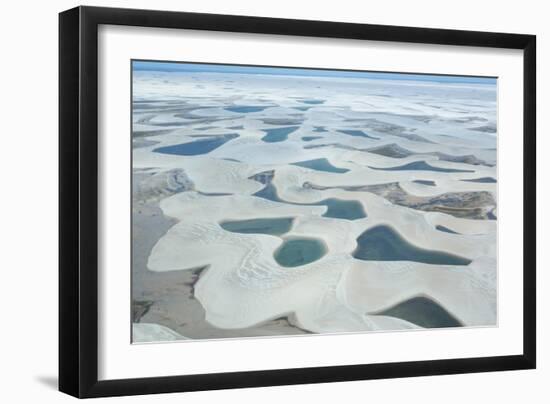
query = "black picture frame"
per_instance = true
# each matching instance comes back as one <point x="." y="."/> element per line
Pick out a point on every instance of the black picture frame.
<point x="78" y="200"/>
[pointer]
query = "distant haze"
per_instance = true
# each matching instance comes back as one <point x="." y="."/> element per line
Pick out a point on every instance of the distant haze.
<point x="290" y="71"/>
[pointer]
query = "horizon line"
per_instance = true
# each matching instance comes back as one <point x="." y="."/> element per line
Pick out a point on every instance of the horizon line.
<point x="193" y="67"/>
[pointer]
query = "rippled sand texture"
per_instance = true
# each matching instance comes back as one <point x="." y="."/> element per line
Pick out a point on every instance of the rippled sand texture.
<point x="277" y="205"/>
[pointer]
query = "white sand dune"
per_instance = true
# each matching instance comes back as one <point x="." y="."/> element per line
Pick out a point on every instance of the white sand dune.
<point x="146" y="332"/>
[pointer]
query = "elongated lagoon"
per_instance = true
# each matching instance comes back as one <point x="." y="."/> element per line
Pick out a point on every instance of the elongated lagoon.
<point x="197" y="147"/>
<point x="382" y="243"/>
<point x="483" y="180"/>
<point x="273" y="226"/>
<point x="445" y="229"/>
<point x="420" y="166"/>
<point x="313" y="102"/>
<point x="245" y="108"/>
<point x="310" y="138"/>
<point x="425" y="182"/>
<point x="357" y="133"/>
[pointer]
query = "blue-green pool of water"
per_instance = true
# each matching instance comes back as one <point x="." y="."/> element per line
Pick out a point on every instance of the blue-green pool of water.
<point x="382" y="243"/>
<point x="273" y="226"/>
<point x="196" y="147"/>
<point x="313" y="102"/>
<point x="321" y="165"/>
<point x="245" y="108"/>
<point x="278" y="134"/>
<point x="299" y="251"/>
<point x="423" y="312"/>
<point x="483" y="180"/>
<point x="357" y="133"/>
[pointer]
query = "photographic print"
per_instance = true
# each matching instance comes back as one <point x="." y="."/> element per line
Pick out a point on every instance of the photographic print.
<point x="273" y="201"/>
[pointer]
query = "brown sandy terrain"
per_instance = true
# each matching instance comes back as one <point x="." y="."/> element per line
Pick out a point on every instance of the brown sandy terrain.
<point x="167" y="298"/>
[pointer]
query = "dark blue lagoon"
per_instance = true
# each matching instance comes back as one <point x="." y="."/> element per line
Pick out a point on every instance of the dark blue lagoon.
<point x="278" y="134"/>
<point x="299" y="251"/>
<point x="382" y="243"/>
<point x="358" y="133"/>
<point x="423" y="312"/>
<point x="310" y="138"/>
<point x="273" y="226"/>
<point x="320" y="165"/>
<point x="421" y="166"/>
<point x="269" y="192"/>
<point x="313" y="102"/>
<point x="245" y="108"/>
<point x="197" y="147"/>
<point x="214" y="193"/>
<point x="425" y="182"/>
<point x="483" y="180"/>
<point x="445" y="229"/>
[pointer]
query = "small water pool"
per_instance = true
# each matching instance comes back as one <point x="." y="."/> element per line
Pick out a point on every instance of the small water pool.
<point x="299" y="251"/>
<point x="321" y="165"/>
<point x="342" y="209"/>
<point x="423" y="312"/>
<point x="310" y="138"/>
<point x="278" y="134"/>
<point x="425" y="182"/>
